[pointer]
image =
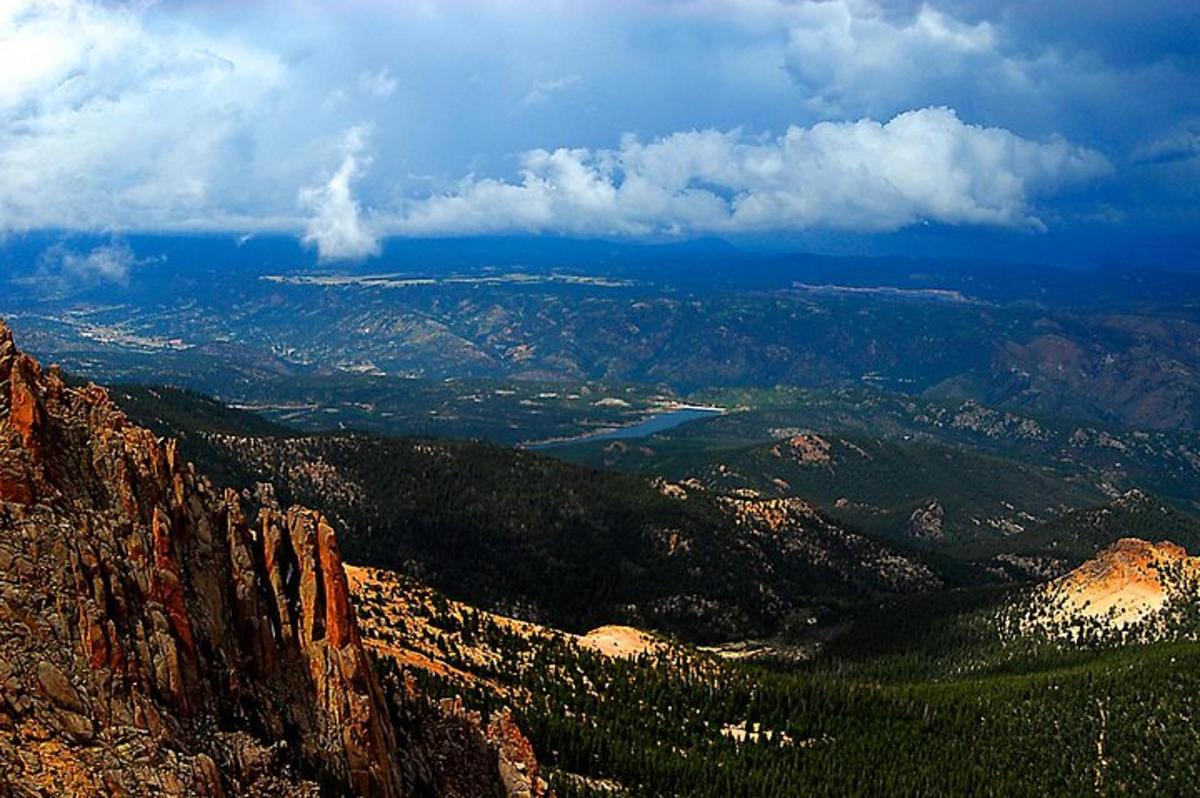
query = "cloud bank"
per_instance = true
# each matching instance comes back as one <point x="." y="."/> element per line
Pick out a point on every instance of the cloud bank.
<point x="641" y="118"/>
<point x="923" y="165"/>
<point x="851" y="58"/>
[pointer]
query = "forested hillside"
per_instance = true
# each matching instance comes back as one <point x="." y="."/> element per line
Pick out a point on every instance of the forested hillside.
<point x="543" y="539"/>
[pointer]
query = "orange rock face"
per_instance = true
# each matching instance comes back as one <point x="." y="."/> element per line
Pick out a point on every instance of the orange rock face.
<point x="518" y="765"/>
<point x="24" y="416"/>
<point x="162" y="645"/>
<point x="1127" y="582"/>
<point x="339" y="615"/>
<point x="108" y="528"/>
<point x="1128" y="564"/>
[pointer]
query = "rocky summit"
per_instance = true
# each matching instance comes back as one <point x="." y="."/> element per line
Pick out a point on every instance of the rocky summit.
<point x="160" y="638"/>
<point x="1142" y="590"/>
<point x="1127" y="581"/>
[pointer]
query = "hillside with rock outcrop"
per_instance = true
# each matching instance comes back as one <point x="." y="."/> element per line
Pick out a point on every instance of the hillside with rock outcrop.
<point x="915" y="491"/>
<point x="526" y="535"/>
<point x="158" y="637"/>
<point x="1131" y="591"/>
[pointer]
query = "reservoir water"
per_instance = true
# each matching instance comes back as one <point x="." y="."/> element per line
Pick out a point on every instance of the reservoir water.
<point x="656" y="423"/>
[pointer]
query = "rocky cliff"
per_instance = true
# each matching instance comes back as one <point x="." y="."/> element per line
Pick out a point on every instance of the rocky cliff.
<point x="159" y="638"/>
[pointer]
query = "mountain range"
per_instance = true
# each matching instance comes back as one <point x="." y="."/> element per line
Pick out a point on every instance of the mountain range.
<point x="514" y="624"/>
<point x="247" y="325"/>
<point x="352" y="532"/>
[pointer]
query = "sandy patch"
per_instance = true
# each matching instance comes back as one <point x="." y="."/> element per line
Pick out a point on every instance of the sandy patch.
<point x="619" y="641"/>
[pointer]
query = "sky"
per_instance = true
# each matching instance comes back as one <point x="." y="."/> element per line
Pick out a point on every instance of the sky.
<point x="1067" y="130"/>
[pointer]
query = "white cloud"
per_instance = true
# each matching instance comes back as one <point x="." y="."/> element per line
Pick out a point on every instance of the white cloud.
<point x="853" y="58"/>
<point x="923" y="165"/>
<point x="105" y="123"/>
<point x="336" y="227"/>
<point x="110" y="263"/>
<point x="333" y="101"/>
<point x="141" y="115"/>
<point x="1182" y="144"/>
<point x="545" y="90"/>
<point x="377" y="84"/>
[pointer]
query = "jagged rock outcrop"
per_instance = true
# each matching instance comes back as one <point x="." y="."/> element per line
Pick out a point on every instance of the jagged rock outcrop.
<point x="928" y="521"/>
<point x="464" y="735"/>
<point x="519" y="768"/>
<point x="154" y="640"/>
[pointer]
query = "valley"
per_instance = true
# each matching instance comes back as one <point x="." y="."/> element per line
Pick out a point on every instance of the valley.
<point x="924" y="695"/>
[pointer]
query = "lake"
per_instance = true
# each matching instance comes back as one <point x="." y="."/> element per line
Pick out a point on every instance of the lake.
<point x="656" y="423"/>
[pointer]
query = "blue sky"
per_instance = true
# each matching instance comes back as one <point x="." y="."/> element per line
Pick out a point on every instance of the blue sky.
<point x="1048" y="130"/>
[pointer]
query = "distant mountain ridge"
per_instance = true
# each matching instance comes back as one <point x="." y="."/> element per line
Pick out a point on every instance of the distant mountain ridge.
<point x="1114" y="346"/>
<point x="1078" y="535"/>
